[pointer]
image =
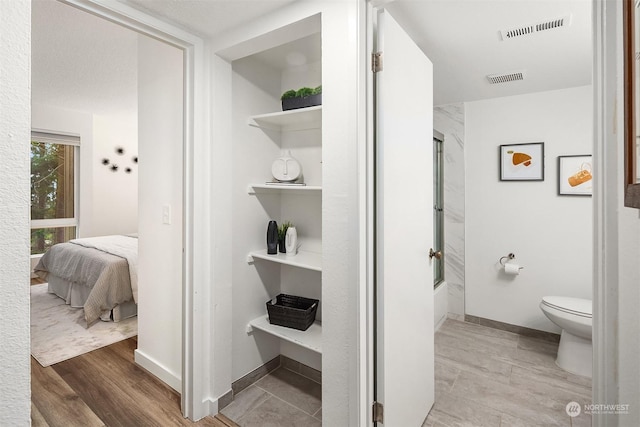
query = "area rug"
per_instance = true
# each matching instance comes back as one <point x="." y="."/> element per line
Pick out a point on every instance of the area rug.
<point x="58" y="332"/>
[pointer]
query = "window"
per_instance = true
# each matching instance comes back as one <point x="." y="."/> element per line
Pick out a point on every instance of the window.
<point x="438" y="211"/>
<point x="53" y="190"/>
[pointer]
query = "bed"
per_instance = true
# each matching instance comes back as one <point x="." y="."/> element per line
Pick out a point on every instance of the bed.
<point x="98" y="274"/>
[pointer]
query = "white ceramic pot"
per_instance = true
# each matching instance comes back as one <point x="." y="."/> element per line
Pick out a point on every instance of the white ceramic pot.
<point x="291" y="241"/>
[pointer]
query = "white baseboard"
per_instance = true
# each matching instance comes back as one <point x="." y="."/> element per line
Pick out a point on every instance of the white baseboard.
<point x="208" y="405"/>
<point x="158" y="370"/>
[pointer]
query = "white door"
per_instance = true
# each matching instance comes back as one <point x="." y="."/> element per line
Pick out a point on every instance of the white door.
<point x="404" y="228"/>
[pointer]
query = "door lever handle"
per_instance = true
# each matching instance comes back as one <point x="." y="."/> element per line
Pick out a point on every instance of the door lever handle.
<point x="435" y="254"/>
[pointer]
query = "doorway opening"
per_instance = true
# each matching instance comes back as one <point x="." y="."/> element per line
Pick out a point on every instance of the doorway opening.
<point x="100" y="75"/>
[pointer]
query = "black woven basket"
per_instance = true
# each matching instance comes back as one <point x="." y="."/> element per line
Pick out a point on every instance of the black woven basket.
<point x="292" y="311"/>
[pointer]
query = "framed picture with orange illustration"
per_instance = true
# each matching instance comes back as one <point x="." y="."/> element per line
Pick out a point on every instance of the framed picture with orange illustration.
<point x="574" y="175"/>
<point x="522" y="162"/>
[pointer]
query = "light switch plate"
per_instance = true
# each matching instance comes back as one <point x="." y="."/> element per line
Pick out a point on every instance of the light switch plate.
<point x="166" y="214"/>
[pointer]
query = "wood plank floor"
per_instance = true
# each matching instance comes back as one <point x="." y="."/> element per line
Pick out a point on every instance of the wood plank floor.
<point x="106" y="388"/>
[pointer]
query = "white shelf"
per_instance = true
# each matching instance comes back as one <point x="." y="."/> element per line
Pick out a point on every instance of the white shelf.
<point x="310" y="339"/>
<point x="298" y="119"/>
<point x="307" y="260"/>
<point x="275" y="188"/>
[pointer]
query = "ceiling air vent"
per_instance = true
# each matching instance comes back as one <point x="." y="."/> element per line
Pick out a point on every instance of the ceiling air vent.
<point x="524" y="30"/>
<point x="517" y="32"/>
<point x="504" y="78"/>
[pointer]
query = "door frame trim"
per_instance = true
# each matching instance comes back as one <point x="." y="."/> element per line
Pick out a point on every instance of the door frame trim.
<point x="606" y="20"/>
<point x="194" y="404"/>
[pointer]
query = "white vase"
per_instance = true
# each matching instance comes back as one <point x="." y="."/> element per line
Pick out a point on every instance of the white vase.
<point x="291" y="241"/>
<point x="285" y="168"/>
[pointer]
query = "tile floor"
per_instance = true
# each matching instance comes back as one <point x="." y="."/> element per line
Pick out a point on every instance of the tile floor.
<point x="282" y="398"/>
<point x="484" y="377"/>
<point x="490" y="377"/>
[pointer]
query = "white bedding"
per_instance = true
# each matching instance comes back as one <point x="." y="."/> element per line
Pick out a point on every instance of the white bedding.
<point x="120" y="246"/>
<point x="98" y="274"/>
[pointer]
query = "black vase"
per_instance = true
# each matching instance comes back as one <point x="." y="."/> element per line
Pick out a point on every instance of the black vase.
<point x="282" y="247"/>
<point x="272" y="238"/>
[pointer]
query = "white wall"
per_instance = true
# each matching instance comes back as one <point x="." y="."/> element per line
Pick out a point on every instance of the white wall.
<point x="629" y="320"/>
<point x="15" y="43"/>
<point x="160" y="127"/>
<point x="255" y="91"/>
<point x="342" y="292"/>
<point x="108" y="201"/>
<point x="115" y="194"/>
<point x="550" y="235"/>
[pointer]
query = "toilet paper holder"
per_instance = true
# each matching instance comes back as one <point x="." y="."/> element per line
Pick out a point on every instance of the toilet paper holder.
<point x="503" y="260"/>
<point x="506" y="257"/>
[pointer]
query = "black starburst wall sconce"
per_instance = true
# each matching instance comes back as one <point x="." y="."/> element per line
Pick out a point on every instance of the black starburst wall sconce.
<point x="120" y="151"/>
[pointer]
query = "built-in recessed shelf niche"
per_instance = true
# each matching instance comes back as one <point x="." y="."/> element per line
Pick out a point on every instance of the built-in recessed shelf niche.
<point x="288" y="58"/>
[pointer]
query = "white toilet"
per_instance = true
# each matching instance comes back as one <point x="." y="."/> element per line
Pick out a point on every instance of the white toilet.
<point x="573" y="315"/>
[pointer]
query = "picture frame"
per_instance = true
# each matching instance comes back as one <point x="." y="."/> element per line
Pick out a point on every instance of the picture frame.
<point x="575" y="175"/>
<point x="522" y="162"/>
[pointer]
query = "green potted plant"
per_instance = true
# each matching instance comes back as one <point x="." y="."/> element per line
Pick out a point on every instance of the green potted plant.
<point x="301" y="98"/>
<point x="282" y="232"/>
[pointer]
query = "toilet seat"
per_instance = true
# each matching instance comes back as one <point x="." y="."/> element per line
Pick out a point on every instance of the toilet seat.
<point x="576" y="306"/>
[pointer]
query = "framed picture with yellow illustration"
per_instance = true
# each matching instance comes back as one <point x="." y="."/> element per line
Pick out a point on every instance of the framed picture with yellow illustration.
<point x="575" y="175"/>
<point x="522" y="162"/>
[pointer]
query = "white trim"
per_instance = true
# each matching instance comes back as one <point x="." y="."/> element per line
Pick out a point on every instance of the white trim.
<point x="195" y="311"/>
<point x="158" y="370"/>
<point x="54" y="137"/>
<point x="367" y="221"/>
<point x="365" y="217"/>
<point x="138" y="21"/>
<point x="54" y="223"/>
<point x="606" y="85"/>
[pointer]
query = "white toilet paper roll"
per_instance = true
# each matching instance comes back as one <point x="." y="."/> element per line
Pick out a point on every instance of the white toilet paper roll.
<point x="511" y="268"/>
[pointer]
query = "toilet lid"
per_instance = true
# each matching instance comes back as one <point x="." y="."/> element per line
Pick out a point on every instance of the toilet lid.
<point x="579" y="306"/>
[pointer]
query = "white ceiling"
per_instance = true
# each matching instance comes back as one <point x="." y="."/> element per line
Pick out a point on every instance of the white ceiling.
<point x="462" y="39"/>
<point x="207" y="18"/>
<point x="82" y="62"/>
<point x="306" y="50"/>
